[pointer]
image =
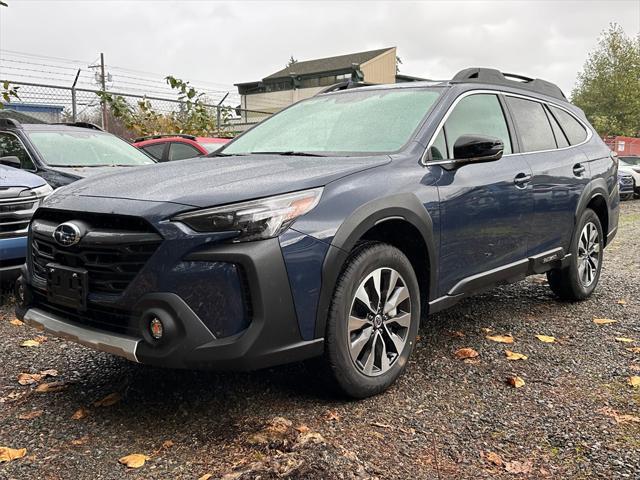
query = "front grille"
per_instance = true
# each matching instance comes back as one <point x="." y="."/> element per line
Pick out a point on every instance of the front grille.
<point x="16" y="211"/>
<point x="626" y="180"/>
<point x="113" y="251"/>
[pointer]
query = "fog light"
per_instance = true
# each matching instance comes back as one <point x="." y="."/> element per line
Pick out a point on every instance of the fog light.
<point x="156" y="328"/>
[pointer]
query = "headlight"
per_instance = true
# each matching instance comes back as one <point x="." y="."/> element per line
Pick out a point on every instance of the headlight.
<point x="39" y="193"/>
<point x="256" y="219"/>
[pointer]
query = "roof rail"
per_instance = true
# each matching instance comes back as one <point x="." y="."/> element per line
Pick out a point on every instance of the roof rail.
<point x="165" y="135"/>
<point x="9" y="122"/>
<point x="343" y="86"/>
<point x="496" y="77"/>
<point x="91" y="126"/>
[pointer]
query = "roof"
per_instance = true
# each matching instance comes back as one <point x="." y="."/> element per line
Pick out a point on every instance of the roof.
<point x="329" y="64"/>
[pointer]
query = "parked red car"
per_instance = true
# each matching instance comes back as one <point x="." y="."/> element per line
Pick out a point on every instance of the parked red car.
<point x="166" y="148"/>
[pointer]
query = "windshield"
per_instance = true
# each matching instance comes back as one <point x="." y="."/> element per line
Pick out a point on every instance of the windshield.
<point x="357" y="121"/>
<point x="86" y="149"/>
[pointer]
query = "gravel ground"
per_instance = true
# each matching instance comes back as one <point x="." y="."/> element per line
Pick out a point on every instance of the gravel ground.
<point x="445" y="418"/>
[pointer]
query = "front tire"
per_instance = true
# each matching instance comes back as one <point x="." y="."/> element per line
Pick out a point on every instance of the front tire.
<point x="580" y="278"/>
<point x="373" y="320"/>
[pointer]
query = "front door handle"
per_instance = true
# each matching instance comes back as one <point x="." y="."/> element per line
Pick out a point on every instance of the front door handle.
<point x="522" y="179"/>
<point x="578" y="169"/>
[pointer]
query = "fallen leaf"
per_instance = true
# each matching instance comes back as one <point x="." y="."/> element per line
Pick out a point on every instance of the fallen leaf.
<point x="514" y="356"/>
<point x="501" y="338"/>
<point x="463" y="353"/>
<point x="519" y="467"/>
<point x="109" y="400"/>
<point x="622" y="301"/>
<point x="206" y="476"/>
<point x="80" y="414"/>
<point x="80" y="441"/>
<point x="624" y="340"/>
<point x="494" y="458"/>
<point x="167" y="444"/>
<point x="634" y="367"/>
<point x="16" y="322"/>
<point x="546" y="338"/>
<point x="7" y="454"/>
<point x="49" y="373"/>
<point x="332" y="415"/>
<point x="515" y="382"/>
<point x="457" y="333"/>
<point x="634" y="349"/>
<point x="41" y="339"/>
<point x="29" y="378"/>
<point x="30" y="415"/>
<point x="486" y="330"/>
<point x="604" y="321"/>
<point x="303" y="429"/>
<point x="634" y="381"/>
<point x="618" y="417"/>
<point x="51" y="387"/>
<point x="30" y="343"/>
<point x="135" y="460"/>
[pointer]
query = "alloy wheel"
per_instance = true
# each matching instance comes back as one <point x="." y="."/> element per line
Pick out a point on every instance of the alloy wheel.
<point x="588" y="254"/>
<point x="379" y="321"/>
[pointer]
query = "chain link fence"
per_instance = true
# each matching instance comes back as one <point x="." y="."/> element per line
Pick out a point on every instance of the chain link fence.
<point x="53" y="104"/>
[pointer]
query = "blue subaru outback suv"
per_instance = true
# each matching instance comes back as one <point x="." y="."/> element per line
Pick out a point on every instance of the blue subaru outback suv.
<point x="329" y="229"/>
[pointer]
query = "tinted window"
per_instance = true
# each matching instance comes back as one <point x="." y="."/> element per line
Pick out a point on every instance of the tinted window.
<point x="11" y="146"/>
<point x="533" y="125"/>
<point x="561" y="139"/>
<point x="354" y="121"/>
<point x="574" y="131"/>
<point x="180" y="151"/>
<point x="155" y="150"/>
<point x="477" y="115"/>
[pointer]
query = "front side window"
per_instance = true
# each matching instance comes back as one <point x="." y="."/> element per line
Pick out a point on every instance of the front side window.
<point x="155" y="150"/>
<point x="89" y="148"/>
<point x="572" y="128"/>
<point x="479" y="114"/>
<point x="11" y="146"/>
<point x="533" y="125"/>
<point x="350" y="122"/>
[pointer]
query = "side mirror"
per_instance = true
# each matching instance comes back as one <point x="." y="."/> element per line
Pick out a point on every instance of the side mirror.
<point x="477" y="148"/>
<point x="11" y="161"/>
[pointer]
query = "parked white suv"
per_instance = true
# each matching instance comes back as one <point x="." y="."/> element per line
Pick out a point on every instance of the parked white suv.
<point x="631" y="165"/>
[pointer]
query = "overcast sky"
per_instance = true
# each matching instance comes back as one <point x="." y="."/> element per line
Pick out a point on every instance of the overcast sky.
<point x="223" y="43"/>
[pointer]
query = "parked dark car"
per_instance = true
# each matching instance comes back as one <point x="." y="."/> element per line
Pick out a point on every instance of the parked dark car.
<point x="168" y="148"/>
<point x="329" y="229"/>
<point x="626" y="185"/>
<point x="64" y="153"/>
<point x="20" y="195"/>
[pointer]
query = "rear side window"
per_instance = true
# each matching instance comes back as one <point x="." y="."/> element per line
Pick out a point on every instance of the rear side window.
<point x="181" y="151"/>
<point x="479" y="114"/>
<point x="533" y="125"/>
<point x="572" y="128"/>
<point x="561" y="139"/>
<point x="155" y="150"/>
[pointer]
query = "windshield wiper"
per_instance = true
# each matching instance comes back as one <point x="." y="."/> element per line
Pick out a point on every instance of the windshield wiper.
<point x="222" y="154"/>
<point x="291" y="153"/>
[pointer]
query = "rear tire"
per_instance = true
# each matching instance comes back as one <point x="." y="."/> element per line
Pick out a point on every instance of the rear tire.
<point x="579" y="279"/>
<point x="373" y="320"/>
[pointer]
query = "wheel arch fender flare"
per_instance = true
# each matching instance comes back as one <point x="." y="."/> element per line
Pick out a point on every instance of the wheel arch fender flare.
<point x="406" y="207"/>
<point x="596" y="188"/>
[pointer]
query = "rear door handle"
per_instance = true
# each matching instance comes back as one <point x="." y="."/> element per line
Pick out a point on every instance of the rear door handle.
<point x="522" y="179"/>
<point x="578" y="169"/>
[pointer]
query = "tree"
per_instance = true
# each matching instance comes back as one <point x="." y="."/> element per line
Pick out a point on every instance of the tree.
<point x="8" y="92"/>
<point x="608" y="88"/>
<point x="292" y="61"/>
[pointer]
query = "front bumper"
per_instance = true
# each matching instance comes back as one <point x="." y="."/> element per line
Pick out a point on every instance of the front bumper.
<point x="272" y="337"/>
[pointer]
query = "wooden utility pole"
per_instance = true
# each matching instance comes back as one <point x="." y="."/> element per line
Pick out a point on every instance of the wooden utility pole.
<point x="103" y="80"/>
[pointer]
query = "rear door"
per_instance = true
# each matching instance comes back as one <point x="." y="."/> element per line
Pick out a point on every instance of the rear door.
<point x="560" y="171"/>
<point x="485" y="207"/>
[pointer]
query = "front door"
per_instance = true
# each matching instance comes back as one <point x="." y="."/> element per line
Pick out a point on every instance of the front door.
<point x="485" y="207"/>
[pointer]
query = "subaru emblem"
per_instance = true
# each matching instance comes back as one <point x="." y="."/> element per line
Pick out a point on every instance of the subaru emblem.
<point x="67" y="234"/>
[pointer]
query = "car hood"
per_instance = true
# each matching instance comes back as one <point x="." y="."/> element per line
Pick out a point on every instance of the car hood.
<point x="84" y="172"/>
<point x="14" y="177"/>
<point x="205" y="181"/>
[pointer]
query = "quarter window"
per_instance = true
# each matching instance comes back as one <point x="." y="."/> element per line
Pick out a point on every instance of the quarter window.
<point x="533" y="125"/>
<point x="479" y="114"/>
<point x="561" y="139"/>
<point x="11" y="146"/>
<point x="572" y="128"/>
